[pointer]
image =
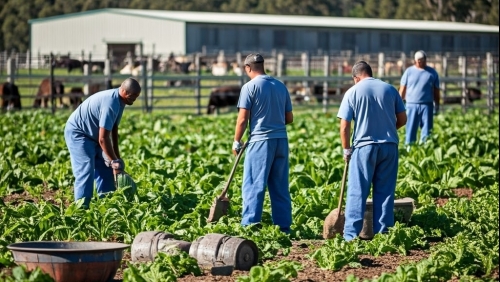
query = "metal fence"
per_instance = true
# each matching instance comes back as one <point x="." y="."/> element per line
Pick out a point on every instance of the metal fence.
<point x="310" y="79"/>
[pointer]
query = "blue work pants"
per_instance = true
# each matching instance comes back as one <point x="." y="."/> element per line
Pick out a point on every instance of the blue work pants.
<point x="88" y="165"/>
<point x="375" y="164"/>
<point x="266" y="165"/>
<point x="419" y="116"/>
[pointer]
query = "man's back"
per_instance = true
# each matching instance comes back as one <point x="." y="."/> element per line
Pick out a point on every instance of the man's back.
<point x="102" y="109"/>
<point x="373" y="105"/>
<point x="268" y="100"/>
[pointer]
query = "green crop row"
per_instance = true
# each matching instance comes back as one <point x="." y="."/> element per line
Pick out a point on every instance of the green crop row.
<point x="181" y="163"/>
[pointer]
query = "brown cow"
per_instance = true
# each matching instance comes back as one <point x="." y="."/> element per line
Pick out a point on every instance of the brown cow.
<point x="44" y="93"/>
<point x="76" y="94"/>
<point x="9" y="96"/>
<point x="472" y="95"/>
<point x="221" y="97"/>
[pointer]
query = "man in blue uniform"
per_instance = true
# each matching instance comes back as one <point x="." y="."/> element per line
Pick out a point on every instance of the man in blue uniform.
<point x="91" y="134"/>
<point x="420" y="88"/>
<point x="377" y="111"/>
<point x="265" y="104"/>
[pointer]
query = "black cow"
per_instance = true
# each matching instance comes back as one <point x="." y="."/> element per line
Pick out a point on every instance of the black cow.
<point x="9" y="96"/>
<point x="221" y="97"/>
<point x="70" y="64"/>
<point x="471" y="93"/>
<point x="44" y="93"/>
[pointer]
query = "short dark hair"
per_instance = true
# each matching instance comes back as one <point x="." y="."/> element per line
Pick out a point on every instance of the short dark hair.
<point x="131" y="86"/>
<point x="361" y="67"/>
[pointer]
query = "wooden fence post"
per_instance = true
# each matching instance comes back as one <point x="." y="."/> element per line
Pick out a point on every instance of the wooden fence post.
<point x="86" y="74"/>
<point x="107" y="73"/>
<point x="326" y="71"/>
<point x="490" y="82"/>
<point x="340" y="73"/>
<point x="149" y="83"/>
<point x="280" y="64"/>
<point x="463" y="70"/>
<point x="11" y="70"/>
<point x="197" y="90"/>
<point x="443" y="80"/>
<point x="381" y="62"/>
<point x="52" y="90"/>
<point x="306" y="64"/>
<point x="403" y="63"/>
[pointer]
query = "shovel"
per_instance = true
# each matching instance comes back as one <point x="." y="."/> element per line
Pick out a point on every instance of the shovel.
<point x="334" y="222"/>
<point x="221" y="203"/>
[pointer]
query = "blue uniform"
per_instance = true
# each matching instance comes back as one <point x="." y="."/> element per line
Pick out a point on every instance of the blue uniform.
<point x="420" y="84"/>
<point x="372" y="105"/>
<point x="103" y="109"/>
<point x="266" y="162"/>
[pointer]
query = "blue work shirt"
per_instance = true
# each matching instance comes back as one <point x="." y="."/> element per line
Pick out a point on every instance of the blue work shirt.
<point x="268" y="100"/>
<point x="373" y="105"/>
<point x="103" y="109"/>
<point x="420" y="84"/>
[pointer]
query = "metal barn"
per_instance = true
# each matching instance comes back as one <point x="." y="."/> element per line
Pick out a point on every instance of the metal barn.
<point x="100" y="32"/>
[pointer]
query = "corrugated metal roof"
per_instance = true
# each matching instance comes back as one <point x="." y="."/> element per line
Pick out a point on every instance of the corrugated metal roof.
<point x="297" y="21"/>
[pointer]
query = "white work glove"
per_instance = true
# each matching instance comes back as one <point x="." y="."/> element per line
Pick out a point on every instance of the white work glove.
<point x="237" y="146"/>
<point x="118" y="164"/>
<point x="347" y="154"/>
<point x="114" y="164"/>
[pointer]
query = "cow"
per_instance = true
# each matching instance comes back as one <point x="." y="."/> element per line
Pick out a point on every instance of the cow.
<point x="303" y="93"/>
<point x="221" y="97"/>
<point x="44" y="93"/>
<point x="9" y="96"/>
<point x="176" y="65"/>
<point x="70" y="64"/>
<point x="318" y="92"/>
<point x="76" y="94"/>
<point x="472" y="94"/>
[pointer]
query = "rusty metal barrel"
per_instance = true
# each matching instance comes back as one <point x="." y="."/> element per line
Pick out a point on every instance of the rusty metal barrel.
<point x="367" y="231"/>
<point x="405" y="206"/>
<point x="71" y="261"/>
<point x="219" y="249"/>
<point x="147" y="244"/>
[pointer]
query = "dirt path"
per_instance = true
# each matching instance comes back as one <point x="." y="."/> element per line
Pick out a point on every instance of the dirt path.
<point x="371" y="266"/>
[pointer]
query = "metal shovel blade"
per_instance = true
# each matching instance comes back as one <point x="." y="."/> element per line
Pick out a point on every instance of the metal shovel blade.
<point x="220" y="205"/>
<point x="218" y="209"/>
<point x="334" y="224"/>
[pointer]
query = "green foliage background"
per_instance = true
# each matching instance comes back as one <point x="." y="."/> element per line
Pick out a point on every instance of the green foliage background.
<point x="14" y="14"/>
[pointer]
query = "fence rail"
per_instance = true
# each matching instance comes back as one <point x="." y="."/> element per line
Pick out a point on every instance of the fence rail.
<point x="191" y="91"/>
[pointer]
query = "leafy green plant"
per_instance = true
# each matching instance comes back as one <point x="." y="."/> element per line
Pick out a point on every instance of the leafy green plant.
<point x="398" y="240"/>
<point x="21" y="274"/>
<point x="336" y="253"/>
<point x="273" y="272"/>
<point x="165" y="268"/>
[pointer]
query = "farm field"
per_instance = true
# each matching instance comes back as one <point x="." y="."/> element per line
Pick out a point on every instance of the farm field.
<point x="180" y="163"/>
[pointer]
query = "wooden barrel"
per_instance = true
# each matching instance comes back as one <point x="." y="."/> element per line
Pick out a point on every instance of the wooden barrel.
<point x="219" y="249"/>
<point x="147" y="244"/>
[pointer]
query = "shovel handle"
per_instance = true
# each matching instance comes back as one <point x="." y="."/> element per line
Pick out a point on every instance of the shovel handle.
<point x="238" y="157"/>
<point x="344" y="176"/>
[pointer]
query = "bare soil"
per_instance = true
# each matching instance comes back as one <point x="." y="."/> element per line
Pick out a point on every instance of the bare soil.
<point x="459" y="192"/>
<point x="371" y="267"/>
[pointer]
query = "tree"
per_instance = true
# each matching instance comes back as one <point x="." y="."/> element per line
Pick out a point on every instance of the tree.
<point x="387" y="9"/>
